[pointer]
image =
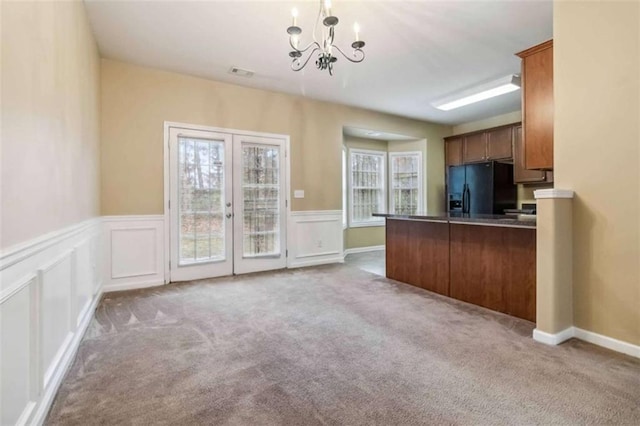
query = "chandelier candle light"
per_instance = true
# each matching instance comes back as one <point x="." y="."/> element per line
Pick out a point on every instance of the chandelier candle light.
<point x="325" y="58"/>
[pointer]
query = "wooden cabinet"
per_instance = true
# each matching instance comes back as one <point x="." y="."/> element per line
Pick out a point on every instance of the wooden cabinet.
<point x="499" y="143"/>
<point x="474" y="148"/>
<point x="537" y="105"/>
<point x="494" y="267"/>
<point x="520" y="172"/>
<point x="453" y="153"/>
<point x="490" y="266"/>
<point x="417" y="253"/>
<point x="503" y="143"/>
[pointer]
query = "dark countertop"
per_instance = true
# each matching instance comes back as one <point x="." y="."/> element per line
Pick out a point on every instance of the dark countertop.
<point x="519" y="221"/>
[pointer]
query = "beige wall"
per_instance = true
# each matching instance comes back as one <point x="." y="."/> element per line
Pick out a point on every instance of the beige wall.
<point x="487" y="123"/>
<point x="364" y="237"/>
<point x="136" y="101"/>
<point x="50" y="119"/>
<point x="597" y="139"/>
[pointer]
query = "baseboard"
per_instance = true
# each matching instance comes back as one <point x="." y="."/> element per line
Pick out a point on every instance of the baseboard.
<point x="607" y="342"/>
<point x="363" y="249"/>
<point x="553" y="339"/>
<point x="587" y="336"/>
<point x="69" y="354"/>
<point x="132" y="286"/>
<point x="315" y="262"/>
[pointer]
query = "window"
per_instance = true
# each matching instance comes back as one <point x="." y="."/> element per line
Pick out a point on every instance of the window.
<point x="367" y="191"/>
<point x="405" y="182"/>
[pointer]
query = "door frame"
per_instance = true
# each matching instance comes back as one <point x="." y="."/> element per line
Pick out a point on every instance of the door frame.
<point x="167" y="181"/>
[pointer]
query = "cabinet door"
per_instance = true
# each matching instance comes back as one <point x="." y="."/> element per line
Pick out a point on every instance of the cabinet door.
<point x="474" y="148"/>
<point x="537" y="90"/>
<point x="499" y="144"/>
<point x="453" y="156"/>
<point x="520" y="172"/>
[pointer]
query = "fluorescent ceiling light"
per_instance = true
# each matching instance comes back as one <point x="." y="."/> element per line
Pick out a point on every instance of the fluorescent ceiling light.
<point x="479" y="93"/>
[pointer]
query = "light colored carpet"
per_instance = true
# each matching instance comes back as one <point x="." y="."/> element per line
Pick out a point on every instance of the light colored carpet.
<point x="330" y="345"/>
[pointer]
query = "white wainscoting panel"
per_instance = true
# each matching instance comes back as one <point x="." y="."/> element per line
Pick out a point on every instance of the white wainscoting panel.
<point x="315" y="238"/>
<point x="134" y="247"/>
<point x="16" y="321"/>
<point x="57" y="310"/>
<point x="49" y="289"/>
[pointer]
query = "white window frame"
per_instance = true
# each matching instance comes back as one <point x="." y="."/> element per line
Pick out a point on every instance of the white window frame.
<point x="379" y="221"/>
<point x="345" y="187"/>
<point x="393" y="155"/>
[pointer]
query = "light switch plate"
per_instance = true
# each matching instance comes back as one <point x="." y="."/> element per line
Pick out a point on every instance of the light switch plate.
<point x="298" y="193"/>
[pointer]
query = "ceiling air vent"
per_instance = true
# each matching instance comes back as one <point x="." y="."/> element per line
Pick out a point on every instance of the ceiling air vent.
<point x="240" y="72"/>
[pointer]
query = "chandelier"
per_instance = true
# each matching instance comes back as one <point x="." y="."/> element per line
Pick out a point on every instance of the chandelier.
<point x="322" y="41"/>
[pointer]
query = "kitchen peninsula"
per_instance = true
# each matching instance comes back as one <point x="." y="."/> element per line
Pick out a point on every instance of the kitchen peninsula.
<point x="487" y="260"/>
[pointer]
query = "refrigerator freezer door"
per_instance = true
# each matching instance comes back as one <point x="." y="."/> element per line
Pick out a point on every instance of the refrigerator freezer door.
<point x="480" y="181"/>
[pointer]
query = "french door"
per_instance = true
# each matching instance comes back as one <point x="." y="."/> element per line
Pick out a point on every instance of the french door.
<point x="227" y="203"/>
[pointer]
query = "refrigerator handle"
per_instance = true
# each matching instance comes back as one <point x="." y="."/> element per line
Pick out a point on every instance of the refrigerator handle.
<point x="464" y="193"/>
<point x="466" y="199"/>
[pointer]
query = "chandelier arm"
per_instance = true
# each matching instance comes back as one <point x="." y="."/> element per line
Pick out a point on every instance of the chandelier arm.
<point x="315" y="26"/>
<point x="357" y="53"/>
<point x="306" y="48"/>
<point x="299" y="67"/>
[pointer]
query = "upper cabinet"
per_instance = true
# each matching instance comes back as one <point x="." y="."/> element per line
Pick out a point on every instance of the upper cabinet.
<point x="504" y="144"/>
<point x="520" y="172"/>
<point x="477" y="147"/>
<point x="499" y="144"/>
<point x="453" y="153"/>
<point x="537" y="105"/>
<point x="474" y="148"/>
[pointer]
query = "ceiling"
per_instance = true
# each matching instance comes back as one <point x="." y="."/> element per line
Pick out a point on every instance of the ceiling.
<point x="417" y="51"/>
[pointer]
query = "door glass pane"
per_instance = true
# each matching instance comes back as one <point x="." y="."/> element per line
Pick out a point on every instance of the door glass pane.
<point x="261" y="200"/>
<point x="201" y="200"/>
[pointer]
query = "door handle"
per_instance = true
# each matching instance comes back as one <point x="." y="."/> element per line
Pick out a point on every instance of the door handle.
<point x="228" y="204"/>
<point x="228" y="215"/>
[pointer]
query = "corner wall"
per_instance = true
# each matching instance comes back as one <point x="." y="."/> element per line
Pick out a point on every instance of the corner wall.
<point x="597" y="134"/>
<point x="50" y="257"/>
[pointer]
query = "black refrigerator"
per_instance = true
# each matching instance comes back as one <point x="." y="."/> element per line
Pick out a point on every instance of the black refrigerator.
<point x="482" y="188"/>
